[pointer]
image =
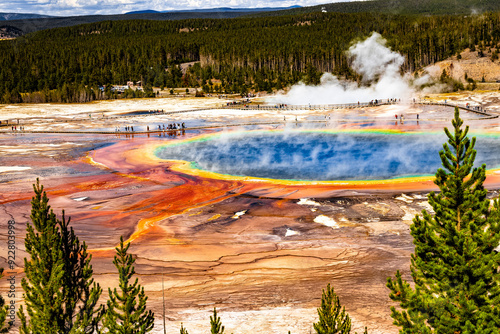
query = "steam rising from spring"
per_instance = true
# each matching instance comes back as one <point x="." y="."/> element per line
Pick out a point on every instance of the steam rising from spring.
<point x="321" y="156"/>
<point x="381" y="78"/>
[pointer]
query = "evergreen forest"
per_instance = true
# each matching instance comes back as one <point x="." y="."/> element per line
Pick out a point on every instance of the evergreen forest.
<point x="425" y="7"/>
<point x="81" y="63"/>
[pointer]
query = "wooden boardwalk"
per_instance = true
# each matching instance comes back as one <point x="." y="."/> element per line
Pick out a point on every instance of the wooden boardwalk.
<point x="280" y="107"/>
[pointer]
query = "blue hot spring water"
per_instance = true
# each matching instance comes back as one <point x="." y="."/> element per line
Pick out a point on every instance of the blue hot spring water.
<point x="323" y="156"/>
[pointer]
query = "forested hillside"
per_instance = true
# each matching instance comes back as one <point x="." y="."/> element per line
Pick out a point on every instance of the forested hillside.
<point x="68" y="64"/>
<point x="36" y="24"/>
<point x="426" y="7"/>
<point x="28" y="24"/>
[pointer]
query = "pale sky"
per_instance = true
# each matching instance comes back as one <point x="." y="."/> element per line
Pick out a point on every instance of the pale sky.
<point x="89" y="7"/>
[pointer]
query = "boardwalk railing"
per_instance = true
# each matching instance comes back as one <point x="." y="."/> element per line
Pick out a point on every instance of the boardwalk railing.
<point x="304" y="106"/>
<point x="477" y="110"/>
<point x="278" y="107"/>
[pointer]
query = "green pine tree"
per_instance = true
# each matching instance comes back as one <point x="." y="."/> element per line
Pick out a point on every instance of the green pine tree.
<point x="183" y="330"/>
<point x="454" y="267"/>
<point x="332" y="317"/>
<point x="215" y="324"/>
<point x="80" y="308"/>
<point x="44" y="270"/>
<point x="126" y="312"/>
<point x="4" y="310"/>
<point x="59" y="292"/>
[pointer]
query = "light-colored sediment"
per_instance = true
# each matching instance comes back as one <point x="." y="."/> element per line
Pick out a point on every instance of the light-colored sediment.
<point x="4" y="169"/>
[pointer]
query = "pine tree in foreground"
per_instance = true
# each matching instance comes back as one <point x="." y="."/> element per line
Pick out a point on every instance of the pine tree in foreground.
<point x="333" y="318"/>
<point x="81" y="312"/>
<point x="44" y="269"/>
<point x="59" y="291"/>
<point x="183" y="330"/>
<point x="126" y="312"/>
<point x="4" y="310"/>
<point x="215" y="324"/>
<point x="455" y="268"/>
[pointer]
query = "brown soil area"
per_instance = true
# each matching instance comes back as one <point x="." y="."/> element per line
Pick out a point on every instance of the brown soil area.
<point x="473" y="65"/>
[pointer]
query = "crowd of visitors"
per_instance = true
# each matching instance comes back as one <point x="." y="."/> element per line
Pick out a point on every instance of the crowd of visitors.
<point x="160" y="127"/>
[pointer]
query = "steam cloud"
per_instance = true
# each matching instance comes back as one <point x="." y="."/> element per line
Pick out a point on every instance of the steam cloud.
<point x="381" y="78"/>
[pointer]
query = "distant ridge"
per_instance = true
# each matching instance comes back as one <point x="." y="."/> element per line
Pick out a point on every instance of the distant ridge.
<point x="28" y="23"/>
<point x="147" y="11"/>
<point x="216" y="10"/>
<point x="391" y="7"/>
<point x="31" y="25"/>
<point x="17" y="16"/>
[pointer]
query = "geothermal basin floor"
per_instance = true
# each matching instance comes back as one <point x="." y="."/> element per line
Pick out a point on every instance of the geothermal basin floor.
<point x="260" y="253"/>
